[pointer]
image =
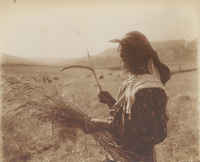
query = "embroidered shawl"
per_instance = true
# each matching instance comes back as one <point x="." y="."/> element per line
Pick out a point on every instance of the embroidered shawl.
<point x="134" y="84"/>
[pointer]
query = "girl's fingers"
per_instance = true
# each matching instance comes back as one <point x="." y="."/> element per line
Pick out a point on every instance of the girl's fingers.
<point x="98" y="92"/>
<point x="103" y="96"/>
<point x="102" y="100"/>
<point x="105" y="93"/>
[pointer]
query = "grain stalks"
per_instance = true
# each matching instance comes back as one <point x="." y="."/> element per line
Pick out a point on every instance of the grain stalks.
<point x="28" y="96"/>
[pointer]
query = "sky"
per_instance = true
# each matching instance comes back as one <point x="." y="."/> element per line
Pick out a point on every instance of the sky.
<point x="68" y="29"/>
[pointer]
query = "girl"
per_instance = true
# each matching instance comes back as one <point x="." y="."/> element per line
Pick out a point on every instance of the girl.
<point x="139" y="112"/>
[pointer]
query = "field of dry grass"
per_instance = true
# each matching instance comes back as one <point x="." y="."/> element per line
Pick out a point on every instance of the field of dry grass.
<point x="38" y="143"/>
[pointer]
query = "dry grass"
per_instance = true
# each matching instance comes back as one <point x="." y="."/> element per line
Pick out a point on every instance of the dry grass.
<point x="42" y="143"/>
<point x="44" y="103"/>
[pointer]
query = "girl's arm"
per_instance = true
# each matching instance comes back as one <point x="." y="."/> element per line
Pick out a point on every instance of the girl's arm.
<point x="97" y="125"/>
<point x="105" y="97"/>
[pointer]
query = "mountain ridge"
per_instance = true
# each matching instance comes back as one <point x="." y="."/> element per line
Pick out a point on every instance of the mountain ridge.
<point x="168" y="51"/>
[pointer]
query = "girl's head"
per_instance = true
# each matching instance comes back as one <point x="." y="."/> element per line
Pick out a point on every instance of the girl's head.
<point x="136" y="51"/>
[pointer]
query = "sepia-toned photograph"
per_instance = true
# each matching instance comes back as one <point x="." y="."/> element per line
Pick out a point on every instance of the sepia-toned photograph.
<point x="99" y="81"/>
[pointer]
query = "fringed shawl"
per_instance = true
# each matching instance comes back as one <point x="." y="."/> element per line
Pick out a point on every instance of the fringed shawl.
<point x="134" y="84"/>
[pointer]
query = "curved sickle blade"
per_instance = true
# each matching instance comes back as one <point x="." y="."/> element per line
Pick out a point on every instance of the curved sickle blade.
<point x="78" y="66"/>
<point x="84" y="67"/>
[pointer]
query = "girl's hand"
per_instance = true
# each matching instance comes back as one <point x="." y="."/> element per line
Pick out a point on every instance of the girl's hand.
<point x="105" y="97"/>
<point x="96" y="124"/>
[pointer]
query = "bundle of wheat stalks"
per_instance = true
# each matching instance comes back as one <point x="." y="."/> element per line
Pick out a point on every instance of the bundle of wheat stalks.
<point x="49" y="104"/>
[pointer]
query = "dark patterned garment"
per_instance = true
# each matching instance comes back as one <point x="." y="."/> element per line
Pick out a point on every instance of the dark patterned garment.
<point x="147" y="125"/>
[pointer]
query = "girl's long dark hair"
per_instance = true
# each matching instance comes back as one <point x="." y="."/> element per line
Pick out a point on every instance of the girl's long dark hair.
<point x="136" y="51"/>
<point x="164" y="71"/>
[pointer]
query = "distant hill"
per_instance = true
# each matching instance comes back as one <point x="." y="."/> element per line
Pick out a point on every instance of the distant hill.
<point x="176" y="49"/>
<point x="13" y="60"/>
<point x="172" y="53"/>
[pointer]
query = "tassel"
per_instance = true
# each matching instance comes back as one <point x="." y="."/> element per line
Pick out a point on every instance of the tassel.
<point x="129" y="116"/>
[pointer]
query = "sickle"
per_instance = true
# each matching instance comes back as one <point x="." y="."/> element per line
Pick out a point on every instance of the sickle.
<point x="84" y="67"/>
